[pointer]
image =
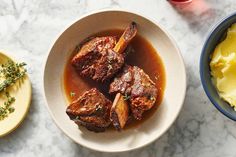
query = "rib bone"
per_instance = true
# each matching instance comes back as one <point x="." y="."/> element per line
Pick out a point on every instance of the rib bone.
<point x="126" y="37"/>
<point x="119" y="112"/>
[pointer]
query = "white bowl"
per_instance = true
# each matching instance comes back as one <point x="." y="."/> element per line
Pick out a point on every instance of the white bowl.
<point x="129" y="139"/>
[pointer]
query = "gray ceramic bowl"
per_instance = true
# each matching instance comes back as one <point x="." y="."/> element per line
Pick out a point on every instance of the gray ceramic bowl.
<point x="216" y="35"/>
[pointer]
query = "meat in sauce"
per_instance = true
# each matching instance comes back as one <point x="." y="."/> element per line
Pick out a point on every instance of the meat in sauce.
<point x="143" y="56"/>
<point x="91" y="110"/>
<point x="138" y="89"/>
<point x="101" y="57"/>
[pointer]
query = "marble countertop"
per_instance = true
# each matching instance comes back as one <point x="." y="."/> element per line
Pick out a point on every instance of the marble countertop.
<point x="27" y="29"/>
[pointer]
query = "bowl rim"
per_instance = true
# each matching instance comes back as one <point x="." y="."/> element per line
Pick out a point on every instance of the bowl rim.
<point x="213" y="30"/>
<point x="180" y="3"/>
<point x="124" y="11"/>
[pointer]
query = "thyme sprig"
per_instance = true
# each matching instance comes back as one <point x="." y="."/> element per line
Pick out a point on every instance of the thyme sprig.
<point x="6" y="109"/>
<point x="10" y="73"/>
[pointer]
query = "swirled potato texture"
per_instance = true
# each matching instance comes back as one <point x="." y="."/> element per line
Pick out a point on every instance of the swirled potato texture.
<point x="223" y="67"/>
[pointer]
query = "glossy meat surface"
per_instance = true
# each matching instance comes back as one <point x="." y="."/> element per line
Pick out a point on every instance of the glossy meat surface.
<point x="97" y="60"/>
<point x="102" y="57"/>
<point x="138" y="89"/>
<point x="91" y="110"/>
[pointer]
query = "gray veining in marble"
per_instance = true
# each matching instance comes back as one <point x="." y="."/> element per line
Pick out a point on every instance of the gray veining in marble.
<point x="27" y="30"/>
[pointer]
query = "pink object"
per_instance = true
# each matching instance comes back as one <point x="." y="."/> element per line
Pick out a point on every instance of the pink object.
<point x="180" y="1"/>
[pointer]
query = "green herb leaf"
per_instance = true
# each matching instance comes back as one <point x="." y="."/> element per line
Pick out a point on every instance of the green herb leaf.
<point x="10" y="72"/>
<point x="152" y="98"/>
<point x="72" y="94"/>
<point x="126" y="97"/>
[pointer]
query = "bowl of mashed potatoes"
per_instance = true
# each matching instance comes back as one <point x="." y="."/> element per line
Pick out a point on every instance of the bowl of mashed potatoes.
<point x="218" y="66"/>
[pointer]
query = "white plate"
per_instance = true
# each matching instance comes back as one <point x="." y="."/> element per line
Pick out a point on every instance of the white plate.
<point x="151" y="129"/>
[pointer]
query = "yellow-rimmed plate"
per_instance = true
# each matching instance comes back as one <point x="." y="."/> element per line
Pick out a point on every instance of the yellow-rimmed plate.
<point x="21" y="90"/>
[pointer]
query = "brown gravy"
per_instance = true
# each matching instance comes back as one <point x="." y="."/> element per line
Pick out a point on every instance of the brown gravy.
<point x="144" y="56"/>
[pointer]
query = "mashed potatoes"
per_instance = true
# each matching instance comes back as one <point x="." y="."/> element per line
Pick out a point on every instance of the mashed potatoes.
<point x="223" y="67"/>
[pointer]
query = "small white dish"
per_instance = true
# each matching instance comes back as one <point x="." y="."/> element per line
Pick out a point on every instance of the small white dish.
<point x="129" y="139"/>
